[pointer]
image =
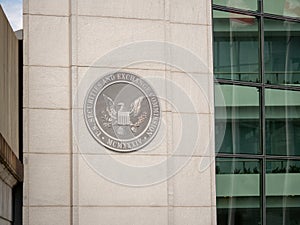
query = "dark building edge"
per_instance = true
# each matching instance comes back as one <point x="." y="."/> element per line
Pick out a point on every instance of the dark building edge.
<point x="18" y="189"/>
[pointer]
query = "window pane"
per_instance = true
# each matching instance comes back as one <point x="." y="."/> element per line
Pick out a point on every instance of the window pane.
<point x="241" y="4"/>
<point x="282" y="47"/>
<point x="283" y="192"/>
<point x="283" y="7"/>
<point x="282" y="122"/>
<point x="237" y="123"/>
<point x="236" y="47"/>
<point x="238" y="191"/>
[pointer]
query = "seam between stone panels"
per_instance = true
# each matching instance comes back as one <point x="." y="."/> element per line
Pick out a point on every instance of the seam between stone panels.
<point x="47" y="206"/>
<point x="120" y="68"/>
<point x="49" y="107"/>
<point x="50" y="66"/>
<point x="193" y="113"/>
<point x="47" y="15"/>
<point x="144" y="68"/>
<point x="121" y="17"/>
<point x="45" y="108"/>
<point x="142" y="19"/>
<point x="47" y="153"/>
<point x="187" y="23"/>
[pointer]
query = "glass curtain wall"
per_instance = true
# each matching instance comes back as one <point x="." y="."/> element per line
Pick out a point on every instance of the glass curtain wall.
<point x="257" y="111"/>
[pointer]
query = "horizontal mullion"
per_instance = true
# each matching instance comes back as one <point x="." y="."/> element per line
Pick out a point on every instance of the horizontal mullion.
<point x="246" y="156"/>
<point x="250" y="156"/>
<point x="237" y="82"/>
<point x="279" y="17"/>
<point x="282" y="87"/>
<point x="236" y="10"/>
<point x="268" y="157"/>
<point x="258" y="85"/>
<point x="255" y="13"/>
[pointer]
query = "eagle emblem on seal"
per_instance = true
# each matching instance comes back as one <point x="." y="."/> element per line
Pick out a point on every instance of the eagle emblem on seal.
<point x="118" y="114"/>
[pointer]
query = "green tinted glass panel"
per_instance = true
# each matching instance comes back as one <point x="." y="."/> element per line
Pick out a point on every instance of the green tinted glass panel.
<point x="282" y="122"/>
<point x="282" y="47"/>
<point x="237" y="123"/>
<point x="283" y="7"/>
<point x="283" y="192"/>
<point x="238" y="191"/>
<point x="241" y="4"/>
<point x="236" y="51"/>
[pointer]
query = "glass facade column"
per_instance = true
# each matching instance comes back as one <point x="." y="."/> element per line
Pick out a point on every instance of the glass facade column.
<point x="257" y="118"/>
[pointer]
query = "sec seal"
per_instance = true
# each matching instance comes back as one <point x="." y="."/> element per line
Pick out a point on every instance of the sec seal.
<point x="122" y="112"/>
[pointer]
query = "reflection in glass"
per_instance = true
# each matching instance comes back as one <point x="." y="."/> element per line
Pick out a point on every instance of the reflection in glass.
<point x="235" y="47"/>
<point x="282" y="47"/>
<point x="237" y="109"/>
<point x="240" y="4"/>
<point x="283" y="7"/>
<point x="282" y="122"/>
<point x="238" y="191"/>
<point x="283" y="192"/>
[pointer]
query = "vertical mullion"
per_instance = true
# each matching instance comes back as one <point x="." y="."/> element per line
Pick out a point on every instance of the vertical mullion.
<point x="262" y="111"/>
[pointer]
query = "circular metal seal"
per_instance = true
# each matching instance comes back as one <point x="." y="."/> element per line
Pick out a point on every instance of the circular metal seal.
<point x="122" y="112"/>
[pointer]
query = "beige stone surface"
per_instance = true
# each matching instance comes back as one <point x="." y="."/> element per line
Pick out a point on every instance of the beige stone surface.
<point x="26" y="183"/>
<point x="152" y="9"/>
<point x="25" y="215"/>
<point x="49" y="215"/>
<point x="25" y="6"/>
<point x="49" y="179"/>
<point x="45" y="7"/>
<point x="192" y="38"/>
<point x="48" y="41"/>
<point x="213" y="182"/>
<point x="192" y="216"/>
<point x="49" y="131"/>
<point x="49" y="87"/>
<point x="209" y="13"/>
<point x="25" y="86"/>
<point x="191" y="135"/>
<point x="96" y="189"/>
<point x="98" y="36"/>
<point x="25" y="130"/>
<point x="192" y="186"/>
<point x="191" y="93"/>
<point x="189" y="11"/>
<point x="123" y="215"/>
<point x="25" y="38"/>
<point x="210" y="49"/>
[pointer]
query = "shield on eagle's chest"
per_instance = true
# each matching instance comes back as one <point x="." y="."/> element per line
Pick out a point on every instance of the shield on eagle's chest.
<point x="123" y="118"/>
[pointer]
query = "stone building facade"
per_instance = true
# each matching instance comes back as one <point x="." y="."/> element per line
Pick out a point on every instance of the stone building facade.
<point x="65" y="45"/>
